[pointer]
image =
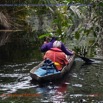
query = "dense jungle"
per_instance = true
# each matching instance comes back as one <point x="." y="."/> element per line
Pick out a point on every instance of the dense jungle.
<point x="23" y="26"/>
<point x="26" y="22"/>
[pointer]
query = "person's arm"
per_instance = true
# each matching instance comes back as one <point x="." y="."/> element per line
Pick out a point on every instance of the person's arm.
<point x="43" y="48"/>
<point x="67" y="52"/>
<point x="46" y="47"/>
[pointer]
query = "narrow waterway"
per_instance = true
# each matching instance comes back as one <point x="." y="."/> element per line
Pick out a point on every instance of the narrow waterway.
<point x="84" y="84"/>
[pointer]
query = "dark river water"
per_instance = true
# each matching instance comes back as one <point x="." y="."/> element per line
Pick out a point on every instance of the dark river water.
<point x="84" y="84"/>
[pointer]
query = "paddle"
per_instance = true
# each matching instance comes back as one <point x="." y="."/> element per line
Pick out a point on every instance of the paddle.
<point x="87" y="60"/>
<point x="83" y="50"/>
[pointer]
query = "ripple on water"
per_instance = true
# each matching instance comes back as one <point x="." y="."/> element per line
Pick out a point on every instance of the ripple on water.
<point x="13" y="77"/>
<point x="77" y="85"/>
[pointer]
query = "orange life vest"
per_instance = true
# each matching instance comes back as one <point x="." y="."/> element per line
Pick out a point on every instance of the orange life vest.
<point x="57" y="56"/>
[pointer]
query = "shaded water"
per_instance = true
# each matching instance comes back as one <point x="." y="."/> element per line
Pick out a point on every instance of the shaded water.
<point x="84" y="84"/>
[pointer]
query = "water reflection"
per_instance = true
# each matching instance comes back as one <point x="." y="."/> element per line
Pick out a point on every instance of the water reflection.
<point x="53" y="93"/>
<point x="15" y="77"/>
<point x="83" y="84"/>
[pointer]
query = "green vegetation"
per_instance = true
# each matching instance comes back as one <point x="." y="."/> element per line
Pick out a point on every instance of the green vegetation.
<point x="79" y="21"/>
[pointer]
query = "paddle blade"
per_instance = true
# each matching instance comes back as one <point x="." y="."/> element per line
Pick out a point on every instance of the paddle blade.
<point x="87" y="60"/>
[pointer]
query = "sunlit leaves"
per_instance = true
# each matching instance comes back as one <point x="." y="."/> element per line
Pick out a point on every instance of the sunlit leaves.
<point x="45" y="35"/>
<point x="60" y="20"/>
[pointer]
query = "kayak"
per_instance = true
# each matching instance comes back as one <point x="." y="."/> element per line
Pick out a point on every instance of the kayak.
<point x="42" y="73"/>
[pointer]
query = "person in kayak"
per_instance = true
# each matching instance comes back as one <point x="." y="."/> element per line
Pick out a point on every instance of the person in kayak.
<point x="57" y="56"/>
<point x="48" y="45"/>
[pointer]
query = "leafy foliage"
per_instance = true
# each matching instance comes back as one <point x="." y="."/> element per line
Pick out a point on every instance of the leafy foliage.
<point x="77" y="20"/>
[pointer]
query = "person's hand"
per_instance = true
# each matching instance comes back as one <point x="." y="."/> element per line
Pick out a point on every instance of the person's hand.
<point x="73" y="52"/>
<point x="45" y="42"/>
